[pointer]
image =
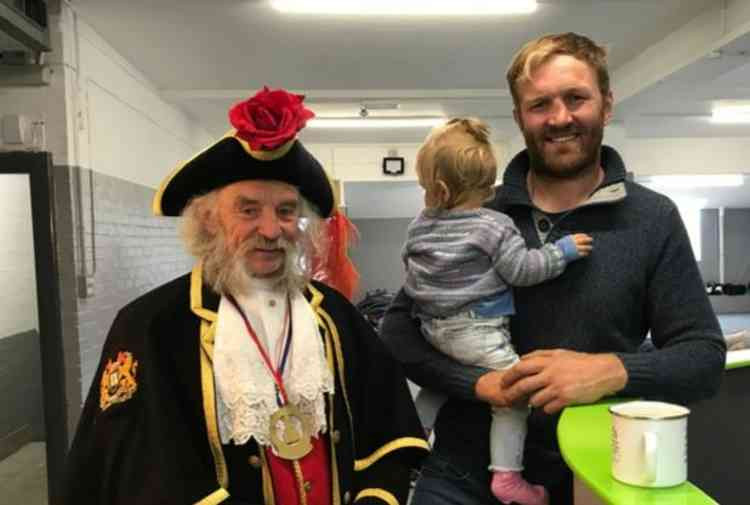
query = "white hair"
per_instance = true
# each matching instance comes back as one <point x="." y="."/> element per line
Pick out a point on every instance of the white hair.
<point x="226" y="271"/>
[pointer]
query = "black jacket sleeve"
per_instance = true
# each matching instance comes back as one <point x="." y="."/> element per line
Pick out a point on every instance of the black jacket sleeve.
<point x="388" y="439"/>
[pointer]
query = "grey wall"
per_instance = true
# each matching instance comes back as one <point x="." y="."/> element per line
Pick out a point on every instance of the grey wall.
<point x="378" y="254"/>
<point x="21" y="415"/>
<point x="736" y="261"/>
<point x="737" y="245"/>
<point x="709" y="263"/>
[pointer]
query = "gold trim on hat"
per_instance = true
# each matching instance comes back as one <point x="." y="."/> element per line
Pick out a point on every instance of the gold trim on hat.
<point x="258" y="155"/>
<point x="156" y="202"/>
<point x="277" y="153"/>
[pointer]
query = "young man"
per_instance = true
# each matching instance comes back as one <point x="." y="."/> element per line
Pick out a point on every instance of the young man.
<point x="584" y="345"/>
<point x="244" y="382"/>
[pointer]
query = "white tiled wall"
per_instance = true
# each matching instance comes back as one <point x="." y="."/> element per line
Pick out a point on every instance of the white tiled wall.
<point x="18" y="310"/>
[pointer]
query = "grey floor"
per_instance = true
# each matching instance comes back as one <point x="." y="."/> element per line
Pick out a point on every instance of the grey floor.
<point x="23" y="476"/>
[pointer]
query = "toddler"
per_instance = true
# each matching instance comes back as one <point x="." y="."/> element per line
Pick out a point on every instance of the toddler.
<point x="461" y="260"/>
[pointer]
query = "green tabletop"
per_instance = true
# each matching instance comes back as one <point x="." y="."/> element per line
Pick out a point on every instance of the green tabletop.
<point x="584" y="433"/>
<point x="738" y="359"/>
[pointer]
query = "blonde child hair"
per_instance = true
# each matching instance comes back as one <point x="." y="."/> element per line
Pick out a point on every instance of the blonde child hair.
<point x="456" y="164"/>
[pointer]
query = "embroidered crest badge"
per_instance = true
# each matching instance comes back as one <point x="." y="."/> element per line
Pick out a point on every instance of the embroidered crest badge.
<point x="118" y="380"/>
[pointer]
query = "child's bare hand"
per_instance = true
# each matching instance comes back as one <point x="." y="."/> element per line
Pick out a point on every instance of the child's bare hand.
<point x="584" y="243"/>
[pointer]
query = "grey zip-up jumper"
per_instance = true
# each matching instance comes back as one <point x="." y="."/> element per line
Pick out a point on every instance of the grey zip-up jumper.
<point x="641" y="277"/>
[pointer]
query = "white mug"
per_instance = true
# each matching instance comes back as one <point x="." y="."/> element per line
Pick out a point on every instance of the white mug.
<point x="649" y="443"/>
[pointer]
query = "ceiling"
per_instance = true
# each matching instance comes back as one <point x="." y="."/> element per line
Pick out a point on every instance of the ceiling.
<point x="206" y="55"/>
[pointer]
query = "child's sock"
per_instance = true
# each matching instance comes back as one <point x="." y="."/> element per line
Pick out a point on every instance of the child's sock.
<point x="510" y="487"/>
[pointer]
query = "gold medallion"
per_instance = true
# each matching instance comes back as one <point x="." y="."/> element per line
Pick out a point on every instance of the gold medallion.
<point x="290" y="433"/>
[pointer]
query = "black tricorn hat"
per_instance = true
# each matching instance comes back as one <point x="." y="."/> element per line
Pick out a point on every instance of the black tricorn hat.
<point x="228" y="161"/>
<point x="265" y="149"/>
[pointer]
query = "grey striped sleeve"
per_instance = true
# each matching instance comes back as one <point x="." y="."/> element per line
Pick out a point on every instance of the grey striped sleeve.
<point x="519" y="266"/>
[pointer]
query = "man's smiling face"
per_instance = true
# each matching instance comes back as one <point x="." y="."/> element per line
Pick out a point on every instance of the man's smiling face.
<point x="562" y="113"/>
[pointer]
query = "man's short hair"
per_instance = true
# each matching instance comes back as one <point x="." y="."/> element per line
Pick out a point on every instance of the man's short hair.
<point x="540" y="50"/>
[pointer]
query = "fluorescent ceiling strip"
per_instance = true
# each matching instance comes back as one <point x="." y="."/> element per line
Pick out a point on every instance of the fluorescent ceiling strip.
<point x="407" y="8"/>
<point x="731" y="114"/>
<point x="696" y="181"/>
<point x="426" y="122"/>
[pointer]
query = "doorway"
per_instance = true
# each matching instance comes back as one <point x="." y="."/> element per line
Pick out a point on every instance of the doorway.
<point x="33" y="424"/>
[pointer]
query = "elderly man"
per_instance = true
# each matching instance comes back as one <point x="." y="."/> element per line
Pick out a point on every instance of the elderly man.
<point x="580" y="332"/>
<point x="244" y="382"/>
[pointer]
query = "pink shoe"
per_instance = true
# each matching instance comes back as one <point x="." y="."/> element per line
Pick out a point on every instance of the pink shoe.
<point x="510" y="487"/>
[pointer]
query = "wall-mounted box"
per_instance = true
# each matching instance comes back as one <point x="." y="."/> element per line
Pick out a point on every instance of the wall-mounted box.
<point x="14" y="128"/>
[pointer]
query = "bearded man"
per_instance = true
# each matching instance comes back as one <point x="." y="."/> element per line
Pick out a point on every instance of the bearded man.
<point x="244" y="382"/>
<point x="580" y="334"/>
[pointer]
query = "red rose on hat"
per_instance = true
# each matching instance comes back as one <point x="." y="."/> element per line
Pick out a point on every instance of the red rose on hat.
<point x="270" y="118"/>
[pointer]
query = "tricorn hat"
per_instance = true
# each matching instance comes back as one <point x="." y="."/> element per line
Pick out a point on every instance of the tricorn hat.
<point x="261" y="146"/>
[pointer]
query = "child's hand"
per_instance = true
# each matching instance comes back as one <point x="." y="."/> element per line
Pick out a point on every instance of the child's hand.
<point x="584" y="243"/>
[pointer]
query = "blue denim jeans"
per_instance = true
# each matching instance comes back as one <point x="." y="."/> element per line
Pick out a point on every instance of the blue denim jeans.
<point x="442" y="483"/>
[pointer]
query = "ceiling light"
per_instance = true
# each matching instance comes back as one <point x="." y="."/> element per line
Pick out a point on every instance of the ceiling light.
<point x="381" y="105"/>
<point x="731" y="114"/>
<point x="696" y="181"/>
<point x="421" y="122"/>
<point x="409" y="8"/>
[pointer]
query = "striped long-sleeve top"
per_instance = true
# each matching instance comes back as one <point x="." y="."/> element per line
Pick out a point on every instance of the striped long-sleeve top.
<point x="457" y="257"/>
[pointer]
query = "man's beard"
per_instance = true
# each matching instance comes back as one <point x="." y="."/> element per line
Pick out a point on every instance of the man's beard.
<point x="226" y="270"/>
<point x="588" y="146"/>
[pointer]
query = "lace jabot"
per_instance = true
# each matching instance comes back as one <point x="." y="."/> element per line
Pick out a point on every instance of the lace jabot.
<point x="246" y="395"/>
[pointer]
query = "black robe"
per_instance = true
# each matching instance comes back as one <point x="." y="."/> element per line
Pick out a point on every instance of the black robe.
<point x="156" y="440"/>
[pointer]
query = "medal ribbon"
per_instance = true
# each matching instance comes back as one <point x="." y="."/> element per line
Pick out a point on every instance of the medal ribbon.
<point x="276" y="373"/>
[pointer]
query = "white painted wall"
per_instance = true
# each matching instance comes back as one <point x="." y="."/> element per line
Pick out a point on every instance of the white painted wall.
<point x="359" y="168"/>
<point x="363" y="162"/>
<point x="687" y="156"/>
<point x="18" y="309"/>
<point x="123" y="127"/>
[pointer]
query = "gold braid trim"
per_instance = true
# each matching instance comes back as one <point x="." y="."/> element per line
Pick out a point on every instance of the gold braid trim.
<point x="268" y="496"/>
<point x="334" y="333"/>
<point x="399" y="443"/>
<point x="300" y="482"/>
<point x="209" y="405"/>
<point x="214" y="498"/>
<point x="196" y="295"/>
<point x="315" y="301"/>
<point x="377" y="493"/>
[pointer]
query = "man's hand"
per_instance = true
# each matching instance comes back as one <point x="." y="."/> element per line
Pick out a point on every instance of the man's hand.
<point x="489" y="389"/>
<point x="553" y="379"/>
